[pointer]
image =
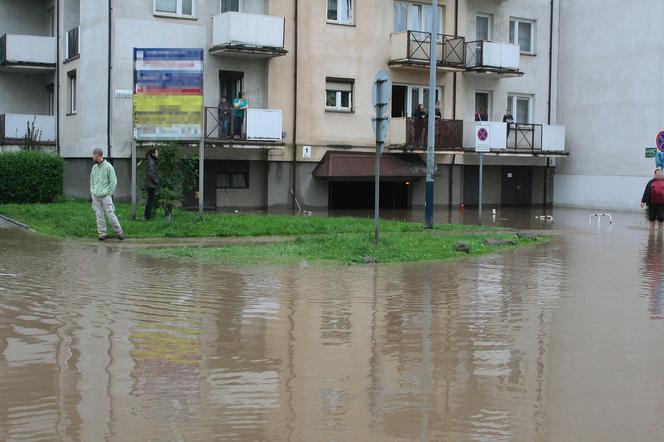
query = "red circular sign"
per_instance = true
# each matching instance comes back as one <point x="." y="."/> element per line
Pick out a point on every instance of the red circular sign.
<point x="482" y="134"/>
<point x="660" y="141"/>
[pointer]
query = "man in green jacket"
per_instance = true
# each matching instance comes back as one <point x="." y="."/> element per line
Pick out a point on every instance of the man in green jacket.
<point x="102" y="188"/>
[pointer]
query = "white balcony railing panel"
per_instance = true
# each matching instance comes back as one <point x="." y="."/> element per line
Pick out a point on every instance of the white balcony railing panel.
<point x="501" y="55"/>
<point x="553" y="138"/>
<point x="30" y="49"/>
<point x="255" y="30"/>
<point x="264" y="125"/>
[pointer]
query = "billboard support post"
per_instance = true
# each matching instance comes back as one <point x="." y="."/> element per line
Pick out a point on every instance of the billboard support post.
<point x="133" y="179"/>
<point x="201" y="177"/>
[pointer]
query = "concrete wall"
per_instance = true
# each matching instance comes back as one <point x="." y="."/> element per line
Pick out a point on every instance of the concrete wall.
<point x="611" y="100"/>
<point x="24" y="17"/>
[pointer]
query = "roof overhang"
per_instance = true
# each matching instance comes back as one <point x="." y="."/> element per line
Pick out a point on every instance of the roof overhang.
<point x="336" y="164"/>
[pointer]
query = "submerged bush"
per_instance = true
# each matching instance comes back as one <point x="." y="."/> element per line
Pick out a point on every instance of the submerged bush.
<point x="30" y="177"/>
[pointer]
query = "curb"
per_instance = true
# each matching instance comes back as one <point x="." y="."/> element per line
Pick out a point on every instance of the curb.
<point x="16" y="223"/>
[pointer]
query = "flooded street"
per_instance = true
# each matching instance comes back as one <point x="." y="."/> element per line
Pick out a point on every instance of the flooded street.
<point x="558" y="342"/>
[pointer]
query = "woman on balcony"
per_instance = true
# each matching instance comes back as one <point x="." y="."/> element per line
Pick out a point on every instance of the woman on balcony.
<point x="420" y="116"/>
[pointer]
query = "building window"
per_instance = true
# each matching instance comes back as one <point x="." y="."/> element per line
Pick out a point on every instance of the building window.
<point x="71" y="43"/>
<point x="522" y="32"/>
<point x="482" y="106"/>
<point x="415" y="17"/>
<point x="233" y="175"/>
<point x="50" y="89"/>
<point x="484" y="27"/>
<point x="230" y="6"/>
<point x="521" y="107"/>
<point x="340" y="11"/>
<point x="71" y="92"/>
<point x="339" y="95"/>
<point x="175" y="8"/>
<point x="406" y="98"/>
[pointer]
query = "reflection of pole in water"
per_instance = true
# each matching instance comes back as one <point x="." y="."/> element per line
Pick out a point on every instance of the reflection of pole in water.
<point x="652" y="270"/>
<point x="427" y="372"/>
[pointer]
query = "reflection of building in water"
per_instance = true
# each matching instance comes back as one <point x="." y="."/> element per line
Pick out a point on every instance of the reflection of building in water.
<point x="653" y="281"/>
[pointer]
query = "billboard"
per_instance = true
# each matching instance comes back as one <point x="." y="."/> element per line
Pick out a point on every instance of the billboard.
<point x="168" y="94"/>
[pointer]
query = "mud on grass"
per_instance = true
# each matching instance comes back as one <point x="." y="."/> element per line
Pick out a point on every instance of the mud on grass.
<point x="347" y="249"/>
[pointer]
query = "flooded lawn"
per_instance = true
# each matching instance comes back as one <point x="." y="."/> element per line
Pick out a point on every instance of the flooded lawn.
<point x="561" y="341"/>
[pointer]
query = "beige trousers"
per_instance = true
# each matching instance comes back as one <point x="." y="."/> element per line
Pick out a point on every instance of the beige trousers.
<point x="104" y="206"/>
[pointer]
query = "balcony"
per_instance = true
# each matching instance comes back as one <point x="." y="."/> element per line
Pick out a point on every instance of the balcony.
<point x="412" y="49"/>
<point x="412" y="134"/>
<point x="260" y="128"/>
<point x="237" y="33"/>
<point x="14" y="128"/>
<point x="489" y="57"/>
<point x="27" y="53"/>
<point x="518" y="138"/>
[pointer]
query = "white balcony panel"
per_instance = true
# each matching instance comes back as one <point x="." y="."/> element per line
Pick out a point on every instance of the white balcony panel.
<point x="399" y="46"/>
<point x="252" y="30"/>
<point x="501" y="55"/>
<point x="497" y="134"/>
<point x="397" y="132"/>
<point x="29" y="50"/>
<point x="264" y="125"/>
<point x="16" y="126"/>
<point x="553" y="138"/>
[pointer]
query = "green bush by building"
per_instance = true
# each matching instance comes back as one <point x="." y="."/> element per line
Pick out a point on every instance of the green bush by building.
<point x="30" y="177"/>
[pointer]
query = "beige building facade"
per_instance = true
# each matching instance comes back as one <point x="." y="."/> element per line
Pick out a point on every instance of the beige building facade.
<point x="306" y="67"/>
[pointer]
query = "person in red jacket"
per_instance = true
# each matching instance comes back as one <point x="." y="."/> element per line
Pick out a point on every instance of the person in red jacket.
<point x="653" y="197"/>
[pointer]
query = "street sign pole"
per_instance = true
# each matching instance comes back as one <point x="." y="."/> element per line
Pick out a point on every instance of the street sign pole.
<point x="431" y="158"/>
<point x="380" y="96"/>
<point x="479" y="210"/>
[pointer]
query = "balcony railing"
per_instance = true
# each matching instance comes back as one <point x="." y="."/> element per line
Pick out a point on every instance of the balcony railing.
<point x="14" y="128"/>
<point x="237" y="32"/>
<point x="493" y="57"/>
<point x="412" y="133"/>
<point x="517" y="138"/>
<point x="28" y="52"/>
<point x="258" y="126"/>
<point x="413" y="48"/>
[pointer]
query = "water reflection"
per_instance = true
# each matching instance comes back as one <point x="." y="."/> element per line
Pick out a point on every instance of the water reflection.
<point x="653" y="272"/>
<point x="98" y="342"/>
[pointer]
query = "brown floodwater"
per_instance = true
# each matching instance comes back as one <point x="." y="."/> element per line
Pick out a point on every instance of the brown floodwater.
<point x="562" y="341"/>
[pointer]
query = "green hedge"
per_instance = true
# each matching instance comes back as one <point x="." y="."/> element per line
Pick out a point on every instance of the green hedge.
<point x="30" y="177"/>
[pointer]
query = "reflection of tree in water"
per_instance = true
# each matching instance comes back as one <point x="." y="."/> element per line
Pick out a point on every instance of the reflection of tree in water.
<point x="653" y="281"/>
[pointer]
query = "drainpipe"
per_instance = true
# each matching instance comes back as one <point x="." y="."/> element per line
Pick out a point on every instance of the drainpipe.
<point x="294" y="163"/>
<point x="57" y="76"/>
<point x="110" y="66"/>
<point x="454" y="106"/>
<point x="548" y="119"/>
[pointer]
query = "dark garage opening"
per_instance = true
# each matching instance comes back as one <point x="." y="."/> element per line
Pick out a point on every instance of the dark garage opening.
<point x="357" y="195"/>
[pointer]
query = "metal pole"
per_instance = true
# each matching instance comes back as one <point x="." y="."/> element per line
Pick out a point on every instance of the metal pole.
<point x="133" y="179"/>
<point x="379" y="148"/>
<point x="479" y="219"/>
<point x="431" y="158"/>
<point x="201" y="177"/>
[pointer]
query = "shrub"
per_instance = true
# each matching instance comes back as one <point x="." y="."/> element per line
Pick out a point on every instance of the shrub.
<point x="177" y="176"/>
<point x="30" y="177"/>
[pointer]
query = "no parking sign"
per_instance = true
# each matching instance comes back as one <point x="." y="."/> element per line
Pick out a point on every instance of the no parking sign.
<point x="482" y="138"/>
<point x="660" y="141"/>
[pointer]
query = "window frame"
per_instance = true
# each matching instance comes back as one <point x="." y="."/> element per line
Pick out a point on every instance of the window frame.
<point x="231" y="168"/>
<point x="336" y="21"/>
<point x="489" y="18"/>
<point x="178" y="11"/>
<point x="512" y="99"/>
<point x="421" y="23"/>
<point x="72" y="92"/>
<point x="338" y="107"/>
<point x="240" y="6"/>
<point x="489" y="103"/>
<point x="515" y="40"/>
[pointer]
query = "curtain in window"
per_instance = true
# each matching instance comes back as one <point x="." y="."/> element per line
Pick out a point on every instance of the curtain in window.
<point x="482" y="28"/>
<point x="345" y="11"/>
<point x="400" y="17"/>
<point x="522" y="110"/>
<point x="166" y="6"/>
<point x="230" y="5"/>
<point x="512" y="25"/>
<point x="525" y="32"/>
<point x="72" y="42"/>
<point x="187" y="7"/>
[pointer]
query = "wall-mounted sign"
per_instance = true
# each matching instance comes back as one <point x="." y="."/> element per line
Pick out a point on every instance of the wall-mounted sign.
<point x="122" y="93"/>
<point x="168" y="94"/>
<point x="651" y="152"/>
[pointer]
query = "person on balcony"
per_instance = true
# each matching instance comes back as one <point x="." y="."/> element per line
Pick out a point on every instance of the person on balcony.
<point x="509" y="119"/>
<point x="439" y="114"/>
<point x="224" y="117"/>
<point x="420" y="116"/>
<point x="240" y="106"/>
<point x="482" y="115"/>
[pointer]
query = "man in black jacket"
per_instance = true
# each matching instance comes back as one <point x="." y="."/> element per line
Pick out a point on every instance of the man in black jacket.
<point x="151" y="181"/>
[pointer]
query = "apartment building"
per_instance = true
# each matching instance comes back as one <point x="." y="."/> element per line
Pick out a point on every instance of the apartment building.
<point x="306" y="69"/>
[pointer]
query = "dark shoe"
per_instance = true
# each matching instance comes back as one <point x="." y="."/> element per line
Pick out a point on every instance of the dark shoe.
<point x="121" y="236"/>
<point x="102" y="237"/>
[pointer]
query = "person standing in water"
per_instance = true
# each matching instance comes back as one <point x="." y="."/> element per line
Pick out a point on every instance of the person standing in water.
<point x="653" y="198"/>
